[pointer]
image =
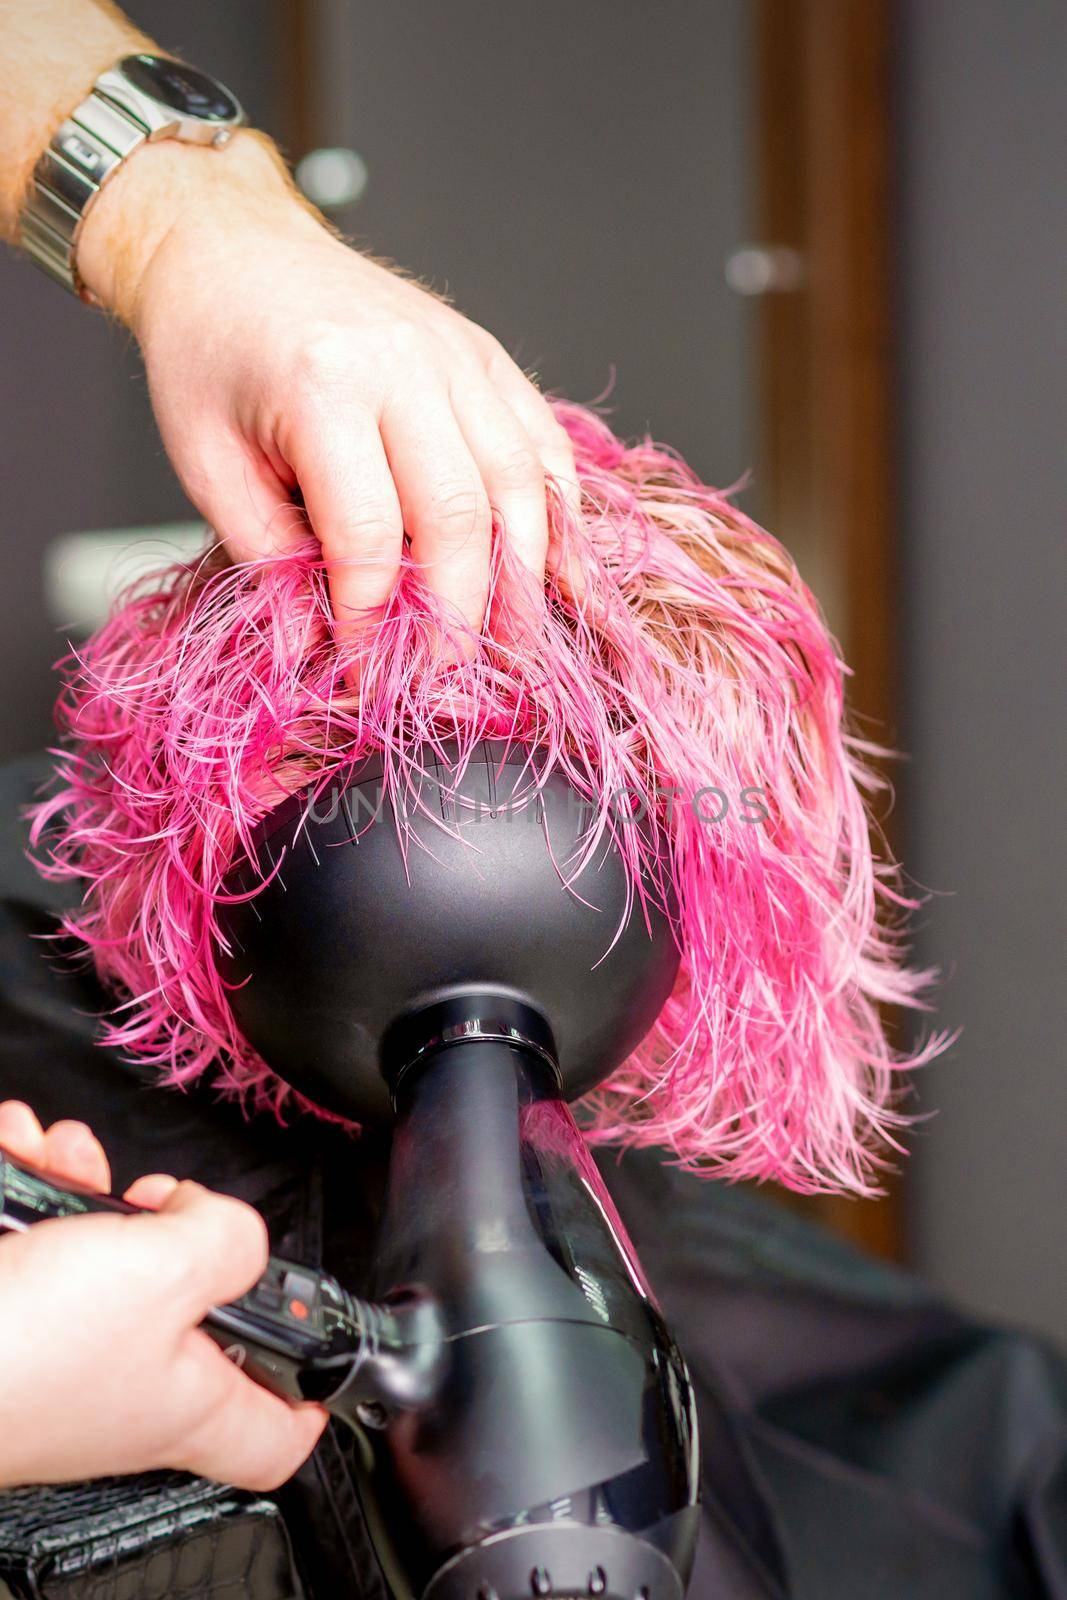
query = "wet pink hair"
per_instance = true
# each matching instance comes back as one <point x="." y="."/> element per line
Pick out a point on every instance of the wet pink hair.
<point x="684" y="653"/>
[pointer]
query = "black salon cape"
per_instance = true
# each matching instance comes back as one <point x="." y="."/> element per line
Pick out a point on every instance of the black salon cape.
<point x="861" y="1441"/>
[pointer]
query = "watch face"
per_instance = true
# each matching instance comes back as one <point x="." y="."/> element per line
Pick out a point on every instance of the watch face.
<point x="181" y="88"/>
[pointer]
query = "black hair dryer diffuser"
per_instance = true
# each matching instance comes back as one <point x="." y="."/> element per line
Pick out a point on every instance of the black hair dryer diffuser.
<point x="527" y="1421"/>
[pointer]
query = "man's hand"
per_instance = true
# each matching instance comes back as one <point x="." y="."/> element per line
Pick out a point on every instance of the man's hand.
<point x="103" y="1368"/>
<point x="279" y="359"/>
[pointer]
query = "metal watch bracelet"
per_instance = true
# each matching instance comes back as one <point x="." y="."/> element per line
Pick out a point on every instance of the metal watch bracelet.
<point x="84" y="152"/>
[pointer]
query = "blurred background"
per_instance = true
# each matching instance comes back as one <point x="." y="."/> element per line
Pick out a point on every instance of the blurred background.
<point x="818" y="246"/>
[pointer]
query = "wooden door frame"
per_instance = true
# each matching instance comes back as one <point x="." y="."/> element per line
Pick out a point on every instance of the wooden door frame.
<point x="293" y="25"/>
<point x="822" y="128"/>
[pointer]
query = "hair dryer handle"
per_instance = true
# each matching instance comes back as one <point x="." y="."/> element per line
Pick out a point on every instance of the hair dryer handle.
<point x="296" y="1331"/>
<point x="28" y="1195"/>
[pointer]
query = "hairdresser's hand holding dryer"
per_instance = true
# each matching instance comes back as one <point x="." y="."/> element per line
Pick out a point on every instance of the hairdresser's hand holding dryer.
<point x="103" y="1368"/>
<point x="284" y="368"/>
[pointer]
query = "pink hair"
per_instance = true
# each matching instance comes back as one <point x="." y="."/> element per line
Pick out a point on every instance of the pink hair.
<point x="684" y="652"/>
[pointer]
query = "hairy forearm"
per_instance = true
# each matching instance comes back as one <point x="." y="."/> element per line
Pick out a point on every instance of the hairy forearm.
<point x="51" y="53"/>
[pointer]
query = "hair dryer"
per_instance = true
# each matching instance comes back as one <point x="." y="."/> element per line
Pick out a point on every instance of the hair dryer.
<point x="527" y="1424"/>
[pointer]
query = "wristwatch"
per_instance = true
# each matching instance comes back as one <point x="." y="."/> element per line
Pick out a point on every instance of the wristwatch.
<point x="143" y="97"/>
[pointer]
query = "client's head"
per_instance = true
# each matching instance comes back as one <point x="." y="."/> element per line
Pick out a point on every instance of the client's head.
<point x="680" y="676"/>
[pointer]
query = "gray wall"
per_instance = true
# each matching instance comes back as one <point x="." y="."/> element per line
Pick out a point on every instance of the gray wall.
<point x="985" y="406"/>
<point x="575" y="176"/>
